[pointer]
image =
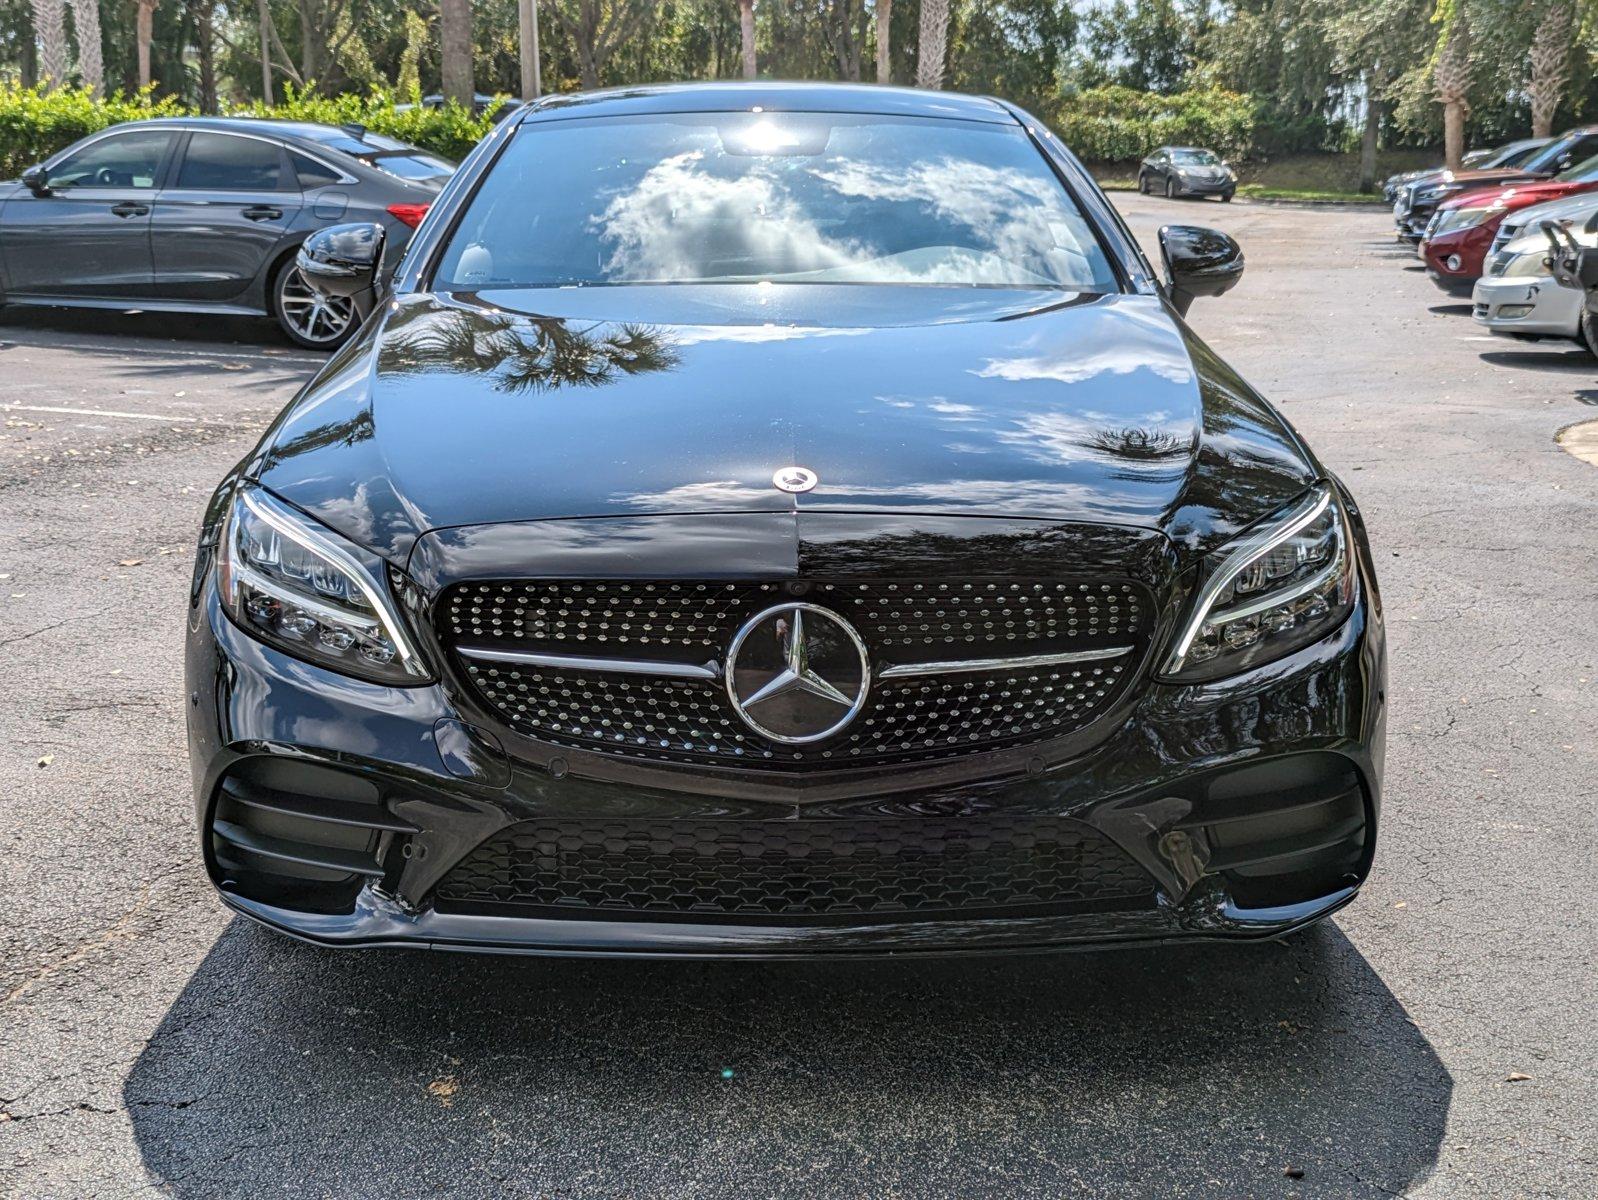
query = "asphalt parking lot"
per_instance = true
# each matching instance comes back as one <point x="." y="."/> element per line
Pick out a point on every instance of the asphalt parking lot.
<point x="1439" y="1038"/>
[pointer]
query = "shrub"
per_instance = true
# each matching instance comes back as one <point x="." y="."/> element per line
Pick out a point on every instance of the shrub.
<point x="34" y="125"/>
<point x="1121" y="124"/>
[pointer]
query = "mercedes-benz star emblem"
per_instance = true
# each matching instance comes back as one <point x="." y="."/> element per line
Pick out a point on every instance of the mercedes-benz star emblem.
<point x="797" y="673"/>
<point x="795" y="479"/>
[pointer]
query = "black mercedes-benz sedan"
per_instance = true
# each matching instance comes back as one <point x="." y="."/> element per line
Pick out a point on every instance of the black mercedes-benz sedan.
<point x="781" y="520"/>
<point x="205" y="215"/>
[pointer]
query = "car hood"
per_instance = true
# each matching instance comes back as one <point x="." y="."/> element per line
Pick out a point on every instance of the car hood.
<point x="475" y="409"/>
<point x="1567" y="208"/>
<point x="1519" y="195"/>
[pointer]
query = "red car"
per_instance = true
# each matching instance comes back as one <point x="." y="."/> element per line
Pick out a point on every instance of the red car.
<point x="1461" y="232"/>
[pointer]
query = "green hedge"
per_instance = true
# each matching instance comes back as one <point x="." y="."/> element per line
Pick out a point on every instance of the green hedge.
<point x="34" y="126"/>
<point x="1119" y="124"/>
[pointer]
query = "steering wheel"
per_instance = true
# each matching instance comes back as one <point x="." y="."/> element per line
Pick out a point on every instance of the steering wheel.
<point x="105" y="177"/>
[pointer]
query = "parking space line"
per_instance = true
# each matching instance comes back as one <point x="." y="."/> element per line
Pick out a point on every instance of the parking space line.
<point x="264" y="356"/>
<point x="92" y="412"/>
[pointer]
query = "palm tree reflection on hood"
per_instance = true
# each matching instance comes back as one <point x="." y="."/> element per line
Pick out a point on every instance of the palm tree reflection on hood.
<point x="525" y="354"/>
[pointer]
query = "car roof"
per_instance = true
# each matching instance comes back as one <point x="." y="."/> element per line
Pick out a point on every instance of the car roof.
<point x="774" y="97"/>
<point x="308" y="131"/>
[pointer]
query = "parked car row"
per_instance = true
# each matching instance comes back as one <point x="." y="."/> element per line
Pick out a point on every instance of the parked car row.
<point x="205" y="215"/>
<point x="1484" y="233"/>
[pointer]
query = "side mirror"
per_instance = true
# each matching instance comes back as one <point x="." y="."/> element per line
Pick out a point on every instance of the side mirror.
<point x="1587" y="268"/>
<point x="1198" y="262"/>
<point x="342" y="262"/>
<point x="37" y="180"/>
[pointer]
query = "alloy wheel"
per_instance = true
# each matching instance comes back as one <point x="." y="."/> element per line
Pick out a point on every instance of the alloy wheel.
<point x="310" y="318"/>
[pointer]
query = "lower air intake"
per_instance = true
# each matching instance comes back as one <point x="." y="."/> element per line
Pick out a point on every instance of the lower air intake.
<point x="798" y="869"/>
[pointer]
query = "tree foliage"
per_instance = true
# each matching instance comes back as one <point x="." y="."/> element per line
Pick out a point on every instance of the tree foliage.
<point x="1309" y="73"/>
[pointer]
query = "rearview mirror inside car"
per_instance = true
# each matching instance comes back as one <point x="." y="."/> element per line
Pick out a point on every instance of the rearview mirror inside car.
<point x="342" y="262"/>
<point x="1198" y="262"/>
<point x="37" y="180"/>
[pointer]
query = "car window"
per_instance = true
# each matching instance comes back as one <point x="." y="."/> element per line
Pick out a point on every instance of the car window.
<point x="411" y="164"/>
<point x="220" y="162"/>
<point x="1197" y="158"/>
<point x="791" y="197"/>
<point x="312" y="174"/>
<point x="126" y="160"/>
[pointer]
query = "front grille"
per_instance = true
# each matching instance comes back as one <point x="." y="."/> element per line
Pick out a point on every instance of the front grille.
<point x="910" y="718"/>
<point x="798" y="869"/>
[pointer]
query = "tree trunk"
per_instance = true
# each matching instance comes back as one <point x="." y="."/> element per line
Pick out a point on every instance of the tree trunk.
<point x="1367" y="140"/>
<point x="933" y="43"/>
<point x="1451" y="79"/>
<point x="91" y="66"/>
<point x="312" y="39"/>
<point x="527" y="35"/>
<point x="884" y="58"/>
<point x="746" y="35"/>
<point x="1550" y="63"/>
<point x="1454" y="113"/>
<point x="264" y="16"/>
<point x="144" y="29"/>
<point x="205" y="47"/>
<point x="50" y="28"/>
<point x="455" y="50"/>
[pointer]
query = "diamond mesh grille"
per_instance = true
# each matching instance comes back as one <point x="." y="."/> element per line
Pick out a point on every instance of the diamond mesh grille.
<point x="905" y="719"/>
<point x="799" y="869"/>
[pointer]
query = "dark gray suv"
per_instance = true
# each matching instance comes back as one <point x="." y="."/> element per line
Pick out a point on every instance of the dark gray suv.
<point x="204" y="215"/>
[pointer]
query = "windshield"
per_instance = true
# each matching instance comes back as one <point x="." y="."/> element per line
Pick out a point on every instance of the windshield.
<point x="1548" y="155"/>
<point x="789" y="197"/>
<point x="1583" y="172"/>
<point x="1513" y="156"/>
<point x="1195" y="158"/>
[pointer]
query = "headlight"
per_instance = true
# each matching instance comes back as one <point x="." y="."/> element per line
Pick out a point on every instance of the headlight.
<point x="1270" y="592"/>
<point x="1533" y="262"/>
<point x="1463" y="218"/>
<point x="308" y="592"/>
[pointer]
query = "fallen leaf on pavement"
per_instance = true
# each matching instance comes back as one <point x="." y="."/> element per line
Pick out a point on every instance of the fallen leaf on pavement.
<point x="443" y="1090"/>
<point x="1516" y="1077"/>
<point x="129" y="562"/>
<point x="47" y="760"/>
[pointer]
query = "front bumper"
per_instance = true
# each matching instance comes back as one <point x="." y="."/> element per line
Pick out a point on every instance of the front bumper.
<point x="1536" y="306"/>
<point x="1205" y="187"/>
<point x="1193" y="789"/>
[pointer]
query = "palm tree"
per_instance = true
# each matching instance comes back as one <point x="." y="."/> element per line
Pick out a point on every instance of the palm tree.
<point x="1451" y="71"/>
<point x="455" y="50"/>
<point x="746" y="31"/>
<point x="884" y="20"/>
<point x="52" y="33"/>
<point x="1550" y="62"/>
<point x="91" y="66"/>
<point x="934" y="43"/>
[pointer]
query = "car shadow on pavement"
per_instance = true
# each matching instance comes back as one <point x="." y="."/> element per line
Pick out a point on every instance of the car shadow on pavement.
<point x="1574" y="362"/>
<point x="1198" y="1071"/>
<point x="136" y="322"/>
<point x="1459" y="308"/>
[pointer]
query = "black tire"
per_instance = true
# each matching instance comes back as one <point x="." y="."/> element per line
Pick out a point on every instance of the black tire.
<point x="1142" y="184"/>
<point x="1587" y="332"/>
<point x="308" y="320"/>
<point x="1170" y="189"/>
<point x="1226" y="197"/>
